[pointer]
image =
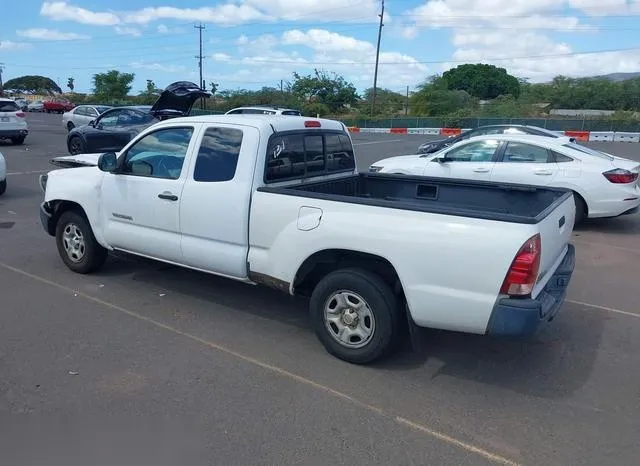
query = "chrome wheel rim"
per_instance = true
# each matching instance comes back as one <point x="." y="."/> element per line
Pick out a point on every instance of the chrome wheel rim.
<point x="73" y="242"/>
<point x="349" y="319"/>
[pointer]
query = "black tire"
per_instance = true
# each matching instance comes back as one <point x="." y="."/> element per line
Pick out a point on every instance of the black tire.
<point x="3" y="187"/>
<point x="18" y="141"/>
<point x="581" y="208"/>
<point x="70" y="126"/>
<point x="380" y="300"/>
<point x="93" y="254"/>
<point x="76" y="145"/>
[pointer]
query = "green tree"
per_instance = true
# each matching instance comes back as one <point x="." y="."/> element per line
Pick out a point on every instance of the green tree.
<point x="325" y="88"/>
<point x="71" y="84"/>
<point x="112" y="85"/>
<point x="482" y="81"/>
<point x="388" y="102"/>
<point x="32" y="85"/>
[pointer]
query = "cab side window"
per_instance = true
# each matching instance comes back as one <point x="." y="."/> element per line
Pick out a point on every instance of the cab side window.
<point x="159" y="154"/>
<point x="218" y="155"/>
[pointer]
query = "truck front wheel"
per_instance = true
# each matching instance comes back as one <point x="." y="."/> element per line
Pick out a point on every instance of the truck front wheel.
<point x="355" y="315"/>
<point x="77" y="245"/>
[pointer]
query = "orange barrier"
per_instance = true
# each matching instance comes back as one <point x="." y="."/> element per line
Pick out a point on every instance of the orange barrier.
<point x="578" y="135"/>
<point x="450" y="131"/>
<point x="353" y="129"/>
<point x="398" y="131"/>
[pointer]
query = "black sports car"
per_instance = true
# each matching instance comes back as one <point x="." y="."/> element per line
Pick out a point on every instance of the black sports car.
<point x="430" y="147"/>
<point x="113" y="129"/>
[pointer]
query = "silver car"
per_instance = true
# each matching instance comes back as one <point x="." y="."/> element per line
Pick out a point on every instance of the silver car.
<point x="13" y="124"/>
<point x="82" y="115"/>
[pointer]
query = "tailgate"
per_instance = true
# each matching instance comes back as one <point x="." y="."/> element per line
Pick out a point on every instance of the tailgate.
<point x="555" y="233"/>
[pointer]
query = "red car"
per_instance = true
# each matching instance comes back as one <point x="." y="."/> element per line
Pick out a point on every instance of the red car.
<point x="57" y="106"/>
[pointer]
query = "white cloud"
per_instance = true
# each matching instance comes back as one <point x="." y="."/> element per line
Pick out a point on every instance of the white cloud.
<point x="63" y="11"/>
<point x="227" y="15"/>
<point x="8" y="46"/>
<point x="158" y="67"/>
<point x="233" y="13"/>
<point x="351" y="57"/>
<point x="49" y="34"/>
<point x="221" y="57"/>
<point x="535" y="56"/>
<point x="164" y="29"/>
<point x="409" y="32"/>
<point x="127" y="31"/>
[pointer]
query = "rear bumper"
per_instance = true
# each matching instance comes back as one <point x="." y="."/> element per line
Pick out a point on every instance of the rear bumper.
<point x="513" y="317"/>
<point x="13" y="133"/>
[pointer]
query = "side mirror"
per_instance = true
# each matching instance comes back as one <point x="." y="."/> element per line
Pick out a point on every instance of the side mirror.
<point x="441" y="158"/>
<point x="92" y="123"/>
<point x="107" y="162"/>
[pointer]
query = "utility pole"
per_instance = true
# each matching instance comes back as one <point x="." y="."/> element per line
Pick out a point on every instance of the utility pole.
<point x="406" y="106"/>
<point x="375" y="73"/>
<point x="200" y="57"/>
<point x="1" y="85"/>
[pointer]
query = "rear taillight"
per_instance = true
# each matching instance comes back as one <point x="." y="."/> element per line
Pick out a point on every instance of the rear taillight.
<point x="20" y="114"/>
<point x="523" y="273"/>
<point x="620" y="176"/>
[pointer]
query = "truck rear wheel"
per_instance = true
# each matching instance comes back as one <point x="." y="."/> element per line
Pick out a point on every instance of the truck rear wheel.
<point x="77" y="245"/>
<point x="355" y="315"/>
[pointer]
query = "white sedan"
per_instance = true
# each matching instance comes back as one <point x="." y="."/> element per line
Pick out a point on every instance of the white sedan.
<point x="604" y="185"/>
<point x="82" y="115"/>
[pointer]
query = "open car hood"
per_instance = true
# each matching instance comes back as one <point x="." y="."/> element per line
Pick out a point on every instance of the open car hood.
<point x="178" y="98"/>
<point x="74" y="161"/>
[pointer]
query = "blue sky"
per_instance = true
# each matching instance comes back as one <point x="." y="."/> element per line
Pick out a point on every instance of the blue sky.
<point x="251" y="43"/>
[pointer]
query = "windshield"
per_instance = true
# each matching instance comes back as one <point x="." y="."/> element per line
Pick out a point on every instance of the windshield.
<point x="544" y="131"/>
<point x="101" y="109"/>
<point x="587" y="150"/>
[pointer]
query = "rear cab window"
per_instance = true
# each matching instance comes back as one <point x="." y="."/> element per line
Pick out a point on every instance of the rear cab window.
<point x="300" y="154"/>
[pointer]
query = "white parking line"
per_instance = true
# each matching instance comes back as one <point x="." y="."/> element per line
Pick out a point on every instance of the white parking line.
<point x="28" y="173"/>
<point x="377" y="142"/>
<point x="605" y="308"/>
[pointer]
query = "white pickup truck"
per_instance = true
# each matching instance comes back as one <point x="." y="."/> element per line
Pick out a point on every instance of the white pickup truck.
<point x="277" y="200"/>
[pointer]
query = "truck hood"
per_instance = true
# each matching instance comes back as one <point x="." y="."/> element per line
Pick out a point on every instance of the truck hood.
<point x="179" y="97"/>
<point x="74" y="161"/>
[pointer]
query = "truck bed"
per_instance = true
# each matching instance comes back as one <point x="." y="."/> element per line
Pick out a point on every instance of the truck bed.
<point x="476" y="199"/>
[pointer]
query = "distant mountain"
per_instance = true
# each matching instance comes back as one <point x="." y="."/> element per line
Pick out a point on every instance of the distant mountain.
<point x="617" y="77"/>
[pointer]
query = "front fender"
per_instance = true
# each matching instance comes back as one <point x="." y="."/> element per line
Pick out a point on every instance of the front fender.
<point x="75" y="188"/>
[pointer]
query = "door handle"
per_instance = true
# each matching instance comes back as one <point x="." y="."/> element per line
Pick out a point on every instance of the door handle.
<point x="481" y="170"/>
<point x="168" y="196"/>
<point x="542" y="172"/>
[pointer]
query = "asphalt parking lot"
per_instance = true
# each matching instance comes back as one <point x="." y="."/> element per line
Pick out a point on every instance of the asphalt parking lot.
<point x="170" y="366"/>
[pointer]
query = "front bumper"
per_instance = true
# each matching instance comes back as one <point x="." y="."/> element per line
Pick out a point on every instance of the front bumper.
<point x="514" y="317"/>
<point x="46" y="219"/>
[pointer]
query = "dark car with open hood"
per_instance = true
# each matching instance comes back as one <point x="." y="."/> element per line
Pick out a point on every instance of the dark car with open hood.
<point x="113" y="129"/>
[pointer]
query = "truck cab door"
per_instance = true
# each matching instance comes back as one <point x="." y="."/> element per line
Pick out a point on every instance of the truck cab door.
<point x="525" y="163"/>
<point x="214" y="214"/>
<point x="141" y="199"/>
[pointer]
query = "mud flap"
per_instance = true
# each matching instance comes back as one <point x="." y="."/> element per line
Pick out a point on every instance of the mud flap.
<point x="416" y="334"/>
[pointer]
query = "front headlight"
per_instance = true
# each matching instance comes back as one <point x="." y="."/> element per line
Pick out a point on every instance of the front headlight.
<point x="424" y="148"/>
<point x="42" y="179"/>
<point x="374" y="169"/>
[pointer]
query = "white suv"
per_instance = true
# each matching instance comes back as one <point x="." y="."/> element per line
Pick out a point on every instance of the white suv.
<point x="13" y="124"/>
<point x="263" y="110"/>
